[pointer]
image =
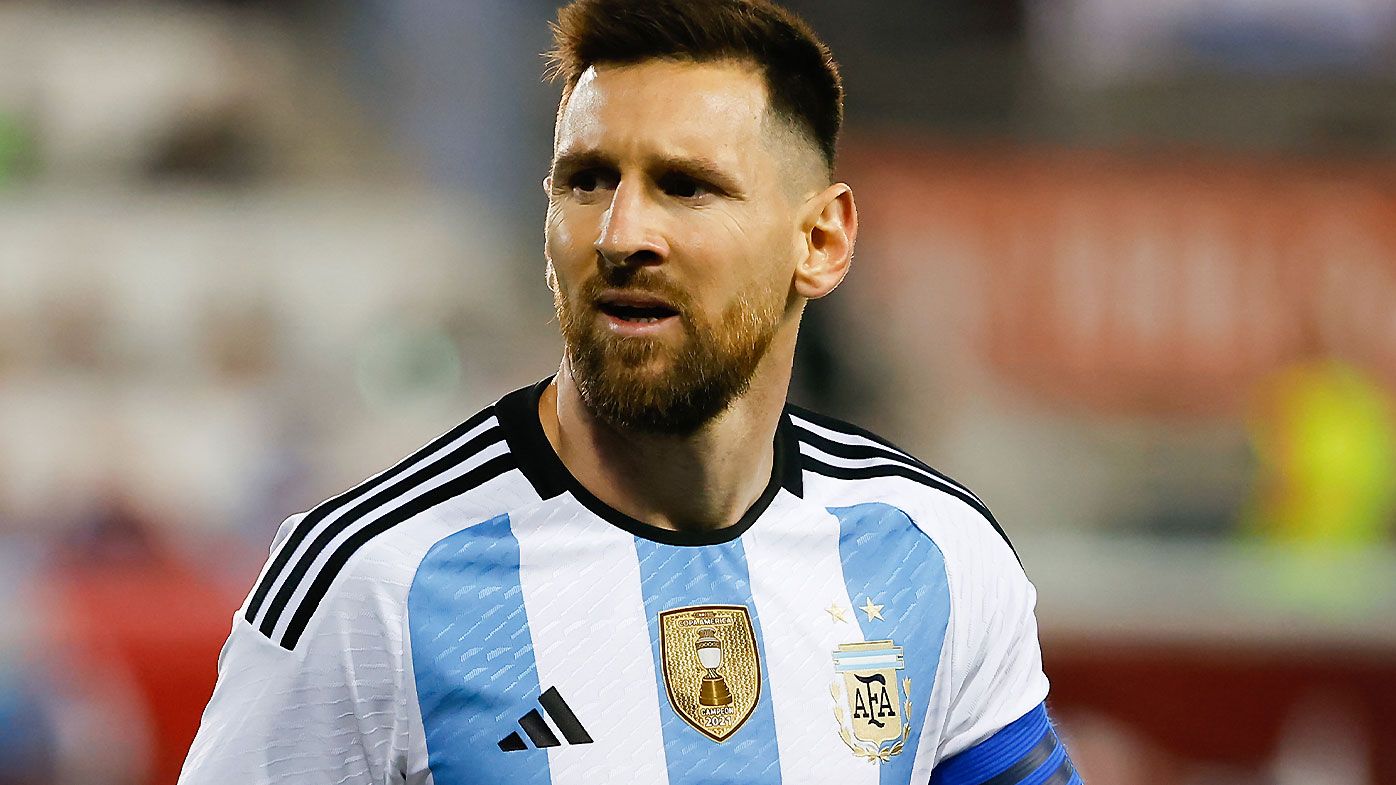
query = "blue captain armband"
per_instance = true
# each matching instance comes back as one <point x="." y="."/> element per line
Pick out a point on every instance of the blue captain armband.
<point x="1025" y="752"/>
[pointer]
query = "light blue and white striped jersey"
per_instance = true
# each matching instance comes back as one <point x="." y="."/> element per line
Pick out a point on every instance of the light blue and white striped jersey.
<point x="475" y="616"/>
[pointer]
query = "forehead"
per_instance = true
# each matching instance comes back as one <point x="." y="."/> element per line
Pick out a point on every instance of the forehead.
<point x="718" y="109"/>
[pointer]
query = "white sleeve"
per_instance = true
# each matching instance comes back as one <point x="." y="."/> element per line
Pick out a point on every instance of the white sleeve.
<point x="996" y="662"/>
<point x="323" y="713"/>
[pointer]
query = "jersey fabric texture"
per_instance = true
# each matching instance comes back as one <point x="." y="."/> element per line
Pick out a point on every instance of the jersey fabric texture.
<point x="474" y="616"/>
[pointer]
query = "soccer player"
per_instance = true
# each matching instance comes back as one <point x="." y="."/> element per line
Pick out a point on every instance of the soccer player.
<point x="649" y="568"/>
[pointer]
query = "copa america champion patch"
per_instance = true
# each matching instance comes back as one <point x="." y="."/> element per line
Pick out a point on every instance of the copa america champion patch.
<point x="712" y="667"/>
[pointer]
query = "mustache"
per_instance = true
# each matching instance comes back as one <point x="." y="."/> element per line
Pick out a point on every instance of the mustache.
<point x="645" y="282"/>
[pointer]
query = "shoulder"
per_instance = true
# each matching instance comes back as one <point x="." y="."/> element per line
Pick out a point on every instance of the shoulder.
<point x="991" y="657"/>
<point x="354" y="554"/>
<point x="842" y="462"/>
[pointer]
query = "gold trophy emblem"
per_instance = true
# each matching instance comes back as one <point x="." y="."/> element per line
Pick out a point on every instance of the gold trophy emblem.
<point x="712" y="666"/>
<point x="713" y="691"/>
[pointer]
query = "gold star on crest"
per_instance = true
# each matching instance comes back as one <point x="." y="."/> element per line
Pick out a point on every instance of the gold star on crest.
<point x="836" y="613"/>
<point x="873" y="611"/>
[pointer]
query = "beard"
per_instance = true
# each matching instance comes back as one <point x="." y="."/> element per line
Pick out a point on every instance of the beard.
<point x="648" y="385"/>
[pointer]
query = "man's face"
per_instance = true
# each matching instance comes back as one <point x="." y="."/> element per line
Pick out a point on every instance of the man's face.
<point x="671" y="239"/>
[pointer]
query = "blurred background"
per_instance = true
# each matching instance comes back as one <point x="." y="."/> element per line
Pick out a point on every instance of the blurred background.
<point x="1129" y="267"/>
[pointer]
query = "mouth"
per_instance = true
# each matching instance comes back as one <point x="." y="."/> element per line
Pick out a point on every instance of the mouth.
<point x="638" y="313"/>
<point x="629" y="313"/>
<point x="643" y="309"/>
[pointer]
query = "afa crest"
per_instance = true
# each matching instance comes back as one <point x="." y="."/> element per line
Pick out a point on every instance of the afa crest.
<point x="873" y="709"/>
<point x="712" y="672"/>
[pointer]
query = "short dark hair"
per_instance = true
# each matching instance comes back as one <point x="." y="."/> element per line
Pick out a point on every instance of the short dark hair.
<point x="802" y="79"/>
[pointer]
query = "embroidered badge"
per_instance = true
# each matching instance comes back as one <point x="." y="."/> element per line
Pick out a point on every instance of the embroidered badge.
<point x="712" y="671"/>
<point x="872" y="708"/>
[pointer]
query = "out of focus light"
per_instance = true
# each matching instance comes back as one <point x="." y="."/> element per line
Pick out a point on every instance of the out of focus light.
<point x="1325" y="440"/>
<point x="15" y="148"/>
<point x="1324" y="435"/>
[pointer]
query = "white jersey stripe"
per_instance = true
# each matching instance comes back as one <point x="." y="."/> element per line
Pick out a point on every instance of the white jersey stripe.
<point x="587" y="619"/>
<point x="790" y="604"/>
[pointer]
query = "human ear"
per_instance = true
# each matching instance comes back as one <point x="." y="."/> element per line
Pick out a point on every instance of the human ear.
<point x="830" y="228"/>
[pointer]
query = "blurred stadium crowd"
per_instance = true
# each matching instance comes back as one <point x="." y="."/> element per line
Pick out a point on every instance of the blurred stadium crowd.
<point x="1128" y="269"/>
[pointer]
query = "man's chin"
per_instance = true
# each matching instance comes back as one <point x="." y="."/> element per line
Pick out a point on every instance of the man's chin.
<point x="644" y="379"/>
<point x="645" y="397"/>
<point x="650" y="357"/>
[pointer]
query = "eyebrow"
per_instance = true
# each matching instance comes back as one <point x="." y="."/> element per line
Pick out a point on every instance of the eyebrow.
<point x="697" y="167"/>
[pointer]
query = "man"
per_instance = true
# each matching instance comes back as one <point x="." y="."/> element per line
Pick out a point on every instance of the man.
<point x="649" y="568"/>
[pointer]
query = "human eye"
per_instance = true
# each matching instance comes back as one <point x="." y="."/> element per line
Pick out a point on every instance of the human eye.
<point x="586" y="182"/>
<point x="684" y="186"/>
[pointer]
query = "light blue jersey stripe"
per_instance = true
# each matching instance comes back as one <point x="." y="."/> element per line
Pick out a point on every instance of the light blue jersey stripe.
<point x="893" y="564"/>
<point x="675" y="577"/>
<point x="473" y="656"/>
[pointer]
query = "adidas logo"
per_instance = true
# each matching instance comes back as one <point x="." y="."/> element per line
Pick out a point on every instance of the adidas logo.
<point x="538" y="731"/>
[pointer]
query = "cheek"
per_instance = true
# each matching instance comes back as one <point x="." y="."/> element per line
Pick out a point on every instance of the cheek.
<point x="558" y="249"/>
<point x="570" y="234"/>
<point x="557" y="235"/>
<point x="758" y="258"/>
<point x="726" y="255"/>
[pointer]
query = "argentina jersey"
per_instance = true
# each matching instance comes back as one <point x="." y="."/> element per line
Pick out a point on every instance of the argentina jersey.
<point x="475" y="616"/>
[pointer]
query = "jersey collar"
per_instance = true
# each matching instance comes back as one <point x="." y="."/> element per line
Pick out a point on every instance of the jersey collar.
<point x="518" y="416"/>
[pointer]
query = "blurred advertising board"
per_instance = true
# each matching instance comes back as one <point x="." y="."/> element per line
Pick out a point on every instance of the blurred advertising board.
<point x="1138" y="285"/>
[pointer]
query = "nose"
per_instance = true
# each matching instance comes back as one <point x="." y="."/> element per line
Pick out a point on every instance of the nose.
<point x="630" y="234"/>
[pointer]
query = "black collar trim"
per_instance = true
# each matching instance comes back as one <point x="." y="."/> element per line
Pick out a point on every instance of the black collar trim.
<point x="518" y="416"/>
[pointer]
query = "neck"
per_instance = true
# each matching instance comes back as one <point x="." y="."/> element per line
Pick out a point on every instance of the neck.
<point x="699" y="482"/>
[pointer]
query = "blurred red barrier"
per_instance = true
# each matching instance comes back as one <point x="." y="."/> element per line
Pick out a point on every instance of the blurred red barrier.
<point x="160" y="625"/>
<point x="1228" y="704"/>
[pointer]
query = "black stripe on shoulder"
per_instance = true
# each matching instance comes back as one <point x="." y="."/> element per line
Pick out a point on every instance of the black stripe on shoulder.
<point x="901" y="470"/>
<point x="325" y="509"/>
<point x="489" y="436"/>
<point x="864" y="451"/>
<point x="463" y="484"/>
<point x="892" y="451"/>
